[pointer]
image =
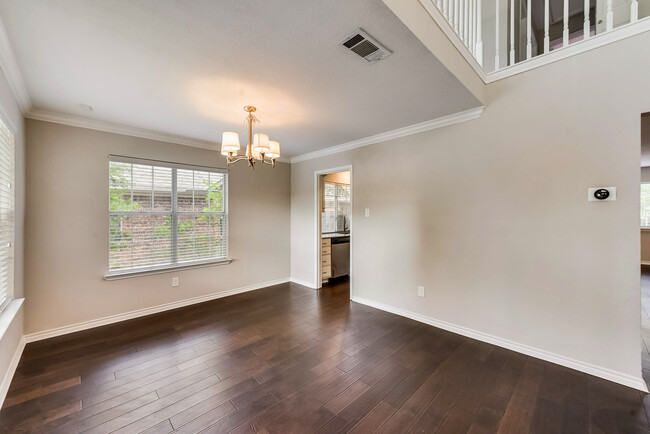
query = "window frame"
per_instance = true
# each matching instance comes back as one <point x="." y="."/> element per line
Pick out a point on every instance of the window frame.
<point x="175" y="265"/>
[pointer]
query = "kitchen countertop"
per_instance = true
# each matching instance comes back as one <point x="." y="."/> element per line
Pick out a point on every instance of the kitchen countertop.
<point x="335" y="235"/>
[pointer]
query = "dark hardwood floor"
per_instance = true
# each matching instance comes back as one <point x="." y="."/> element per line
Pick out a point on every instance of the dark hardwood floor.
<point x="289" y="359"/>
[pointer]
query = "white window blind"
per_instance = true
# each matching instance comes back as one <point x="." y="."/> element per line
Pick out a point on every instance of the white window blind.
<point x="7" y="168"/>
<point x="165" y="215"/>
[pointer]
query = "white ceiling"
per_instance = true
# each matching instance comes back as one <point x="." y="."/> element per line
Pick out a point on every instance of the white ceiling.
<point x="188" y="67"/>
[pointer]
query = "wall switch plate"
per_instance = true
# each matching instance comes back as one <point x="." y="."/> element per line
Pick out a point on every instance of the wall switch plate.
<point x="175" y="281"/>
<point x="610" y="195"/>
<point x="367" y="213"/>
<point x="421" y="291"/>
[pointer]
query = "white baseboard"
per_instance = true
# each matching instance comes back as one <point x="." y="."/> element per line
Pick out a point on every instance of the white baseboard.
<point x="11" y="370"/>
<point x="607" y="374"/>
<point x="32" y="337"/>
<point x="303" y="283"/>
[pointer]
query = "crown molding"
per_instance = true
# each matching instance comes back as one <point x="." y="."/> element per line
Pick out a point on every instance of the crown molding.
<point x="113" y="127"/>
<point x="126" y="130"/>
<point x="9" y="65"/>
<point x="394" y="134"/>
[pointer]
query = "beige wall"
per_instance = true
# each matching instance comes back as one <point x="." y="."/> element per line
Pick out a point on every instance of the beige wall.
<point x="67" y="228"/>
<point x="11" y="327"/>
<point x="491" y="215"/>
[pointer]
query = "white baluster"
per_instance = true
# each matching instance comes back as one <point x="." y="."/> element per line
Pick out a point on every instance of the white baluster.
<point x="634" y="11"/>
<point x="466" y="22"/>
<point x="565" y="31"/>
<point x="445" y="9"/>
<point x="529" y="31"/>
<point x="479" y="32"/>
<point x="512" y="32"/>
<point x="474" y="6"/>
<point x="547" y="39"/>
<point x="497" y="39"/>
<point x="461" y="19"/>
<point x="610" y="16"/>
<point x="587" y="21"/>
<point x="471" y="41"/>
<point x="457" y="16"/>
<point x="451" y="13"/>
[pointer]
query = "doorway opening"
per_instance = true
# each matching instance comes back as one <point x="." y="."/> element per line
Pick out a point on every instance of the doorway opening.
<point x="333" y="226"/>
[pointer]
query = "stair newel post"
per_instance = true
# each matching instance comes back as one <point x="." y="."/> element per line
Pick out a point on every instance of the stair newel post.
<point x="497" y="38"/>
<point x="512" y="32"/>
<point x="587" y="24"/>
<point x="479" y="32"/>
<point x="547" y="39"/>
<point x="610" y="15"/>
<point x="565" y="30"/>
<point x="529" y="32"/>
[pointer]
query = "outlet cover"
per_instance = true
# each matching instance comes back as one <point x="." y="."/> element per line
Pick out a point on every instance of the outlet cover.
<point x="367" y="213"/>
<point x="175" y="281"/>
<point x="421" y="291"/>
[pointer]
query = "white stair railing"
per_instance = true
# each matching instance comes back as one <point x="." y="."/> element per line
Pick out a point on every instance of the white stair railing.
<point x="465" y="18"/>
<point x="512" y="45"/>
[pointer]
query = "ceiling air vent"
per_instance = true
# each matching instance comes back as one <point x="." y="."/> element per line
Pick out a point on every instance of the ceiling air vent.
<point x="365" y="46"/>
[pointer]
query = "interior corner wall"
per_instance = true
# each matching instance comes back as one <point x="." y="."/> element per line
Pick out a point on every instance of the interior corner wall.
<point x="67" y="228"/>
<point x="491" y="215"/>
<point x="10" y="337"/>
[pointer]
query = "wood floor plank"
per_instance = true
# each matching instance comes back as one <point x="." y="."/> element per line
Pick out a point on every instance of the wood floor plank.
<point x="237" y="418"/>
<point x="518" y="415"/>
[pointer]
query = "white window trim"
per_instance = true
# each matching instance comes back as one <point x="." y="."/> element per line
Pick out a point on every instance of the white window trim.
<point x="168" y="268"/>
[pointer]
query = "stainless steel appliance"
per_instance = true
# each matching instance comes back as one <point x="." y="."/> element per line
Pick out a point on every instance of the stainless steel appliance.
<point x="340" y="256"/>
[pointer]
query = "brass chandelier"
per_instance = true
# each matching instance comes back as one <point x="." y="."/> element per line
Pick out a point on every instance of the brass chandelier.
<point x="259" y="148"/>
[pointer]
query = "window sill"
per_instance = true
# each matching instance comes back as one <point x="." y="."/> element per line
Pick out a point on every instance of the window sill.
<point x="643" y="229"/>
<point x="131" y="274"/>
<point x="8" y="314"/>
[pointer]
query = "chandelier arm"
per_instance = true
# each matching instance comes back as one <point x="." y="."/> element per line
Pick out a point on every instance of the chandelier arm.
<point x="270" y="162"/>
<point x="237" y="158"/>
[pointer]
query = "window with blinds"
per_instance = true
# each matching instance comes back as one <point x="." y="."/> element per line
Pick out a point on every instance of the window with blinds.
<point x="336" y="212"/>
<point x="165" y="215"/>
<point x="7" y="167"/>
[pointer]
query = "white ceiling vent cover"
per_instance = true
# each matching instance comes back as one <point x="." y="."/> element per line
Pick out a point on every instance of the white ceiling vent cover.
<point x="366" y="46"/>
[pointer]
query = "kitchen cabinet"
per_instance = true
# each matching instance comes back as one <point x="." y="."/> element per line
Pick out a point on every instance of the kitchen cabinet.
<point x="326" y="258"/>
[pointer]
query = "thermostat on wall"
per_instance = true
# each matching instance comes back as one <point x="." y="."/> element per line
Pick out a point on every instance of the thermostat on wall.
<point x="601" y="194"/>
